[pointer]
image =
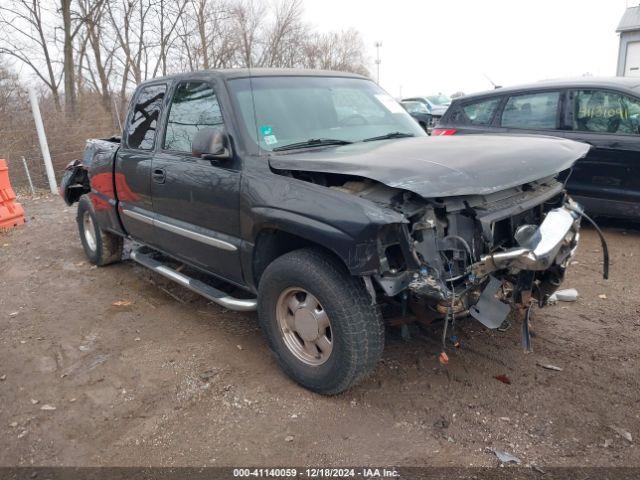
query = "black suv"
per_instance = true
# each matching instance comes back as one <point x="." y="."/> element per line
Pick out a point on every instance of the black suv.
<point x="603" y="112"/>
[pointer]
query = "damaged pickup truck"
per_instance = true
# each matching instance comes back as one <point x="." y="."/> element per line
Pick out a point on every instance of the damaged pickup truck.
<point x="315" y="198"/>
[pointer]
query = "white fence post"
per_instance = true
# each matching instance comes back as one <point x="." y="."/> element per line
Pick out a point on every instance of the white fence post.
<point x="26" y="169"/>
<point x="115" y="104"/>
<point x="42" y="138"/>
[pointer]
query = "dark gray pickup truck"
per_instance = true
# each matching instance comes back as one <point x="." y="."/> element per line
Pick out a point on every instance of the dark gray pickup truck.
<point x="315" y="198"/>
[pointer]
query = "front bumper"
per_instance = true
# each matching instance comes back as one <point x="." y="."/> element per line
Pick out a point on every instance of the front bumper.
<point x="553" y="242"/>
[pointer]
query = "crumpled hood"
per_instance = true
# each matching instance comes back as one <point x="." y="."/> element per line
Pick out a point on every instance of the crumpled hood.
<point x="443" y="166"/>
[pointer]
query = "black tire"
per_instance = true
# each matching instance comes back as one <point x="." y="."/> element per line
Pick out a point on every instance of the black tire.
<point x="357" y="328"/>
<point x="104" y="248"/>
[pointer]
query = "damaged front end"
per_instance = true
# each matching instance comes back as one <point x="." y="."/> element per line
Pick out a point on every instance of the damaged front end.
<point x="486" y="228"/>
<point x="478" y="255"/>
<point x="524" y="257"/>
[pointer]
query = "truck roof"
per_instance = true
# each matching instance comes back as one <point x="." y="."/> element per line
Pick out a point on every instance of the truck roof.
<point x="255" y="72"/>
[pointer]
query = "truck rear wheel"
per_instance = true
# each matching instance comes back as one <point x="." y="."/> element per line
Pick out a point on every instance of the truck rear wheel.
<point x="319" y="321"/>
<point x="101" y="248"/>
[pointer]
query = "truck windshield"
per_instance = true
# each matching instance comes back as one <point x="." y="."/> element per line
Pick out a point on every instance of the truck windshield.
<point x="294" y="110"/>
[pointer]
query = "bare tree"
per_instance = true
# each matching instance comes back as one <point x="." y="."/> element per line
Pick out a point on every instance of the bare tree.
<point x="130" y="23"/>
<point x="93" y="13"/>
<point x="11" y="91"/>
<point x="105" y="46"/>
<point x="167" y="16"/>
<point x="342" y="51"/>
<point x="281" y="37"/>
<point x="120" y="16"/>
<point x="68" y="65"/>
<point x="215" y="44"/>
<point x="247" y="18"/>
<point x="27" y="37"/>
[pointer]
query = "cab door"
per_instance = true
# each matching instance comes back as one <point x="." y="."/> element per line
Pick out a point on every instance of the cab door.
<point x="132" y="171"/>
<point x="196" y="201"/>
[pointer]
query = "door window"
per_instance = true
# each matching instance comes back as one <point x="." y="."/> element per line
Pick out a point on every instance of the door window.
<point x="477" y="113"/>
<point x="194" y="106"/>
<point x="605" y="112"/>
<point x="534" y="111"/>
<point x="141" y="130"/>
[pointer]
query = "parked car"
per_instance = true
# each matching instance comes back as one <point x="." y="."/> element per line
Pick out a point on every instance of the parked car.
<point x="418" y="110"/>
<point x="436" y="106"/>
<point x="316" y="199"/>
<point x="603" y="112"/>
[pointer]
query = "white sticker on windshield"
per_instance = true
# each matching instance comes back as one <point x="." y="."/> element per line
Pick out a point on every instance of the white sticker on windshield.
<point x="389" y="103"/>
<point x="270" y="139"/>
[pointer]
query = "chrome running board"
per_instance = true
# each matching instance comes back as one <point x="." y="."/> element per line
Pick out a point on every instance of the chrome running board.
<point x="201" y="288"/>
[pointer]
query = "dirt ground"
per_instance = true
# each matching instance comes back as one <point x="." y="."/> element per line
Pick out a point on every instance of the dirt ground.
<point x="173" y="380"/>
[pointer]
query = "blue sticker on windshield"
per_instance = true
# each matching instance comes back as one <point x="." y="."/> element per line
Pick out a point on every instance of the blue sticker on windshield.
<point x="266" y="130"/>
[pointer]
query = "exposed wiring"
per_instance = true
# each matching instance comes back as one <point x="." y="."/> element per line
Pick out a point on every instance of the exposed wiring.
<point x="464" y="244"/>
<point x="566" y="180"/>
<point x="451" y="316"/>
<point x="444" y="333"/>
<point x="447" y="261"/>
<point x="526" y="333"/>
<point x="467" y="248"/>
<point x="603" y="241"/>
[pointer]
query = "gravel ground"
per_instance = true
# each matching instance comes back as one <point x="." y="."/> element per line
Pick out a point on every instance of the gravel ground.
<point x="166" y="378"/>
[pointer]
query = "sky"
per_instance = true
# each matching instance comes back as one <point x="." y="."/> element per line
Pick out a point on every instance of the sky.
<point x="445" y="46"/>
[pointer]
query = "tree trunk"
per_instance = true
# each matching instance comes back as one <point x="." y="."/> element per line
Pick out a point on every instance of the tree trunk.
<point x="69" y="68"/>
<point x="94" y="40"/>
<point x="202" y="30"/>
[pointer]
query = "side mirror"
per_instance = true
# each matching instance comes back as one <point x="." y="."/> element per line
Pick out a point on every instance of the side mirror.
<point x="211" y="144"/>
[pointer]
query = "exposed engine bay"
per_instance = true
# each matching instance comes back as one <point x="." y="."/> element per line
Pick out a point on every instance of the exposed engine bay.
<point x="483" y="255"/>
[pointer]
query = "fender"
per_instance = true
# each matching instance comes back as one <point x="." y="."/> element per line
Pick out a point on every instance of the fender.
<point x="360" y="257"/>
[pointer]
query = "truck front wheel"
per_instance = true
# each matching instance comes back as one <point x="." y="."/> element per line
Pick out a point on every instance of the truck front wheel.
<point x="101" y="248"/>
<point x="319" y="321"/>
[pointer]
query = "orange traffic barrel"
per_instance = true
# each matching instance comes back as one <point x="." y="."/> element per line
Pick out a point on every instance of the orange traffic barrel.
<point x="11" y="212"/>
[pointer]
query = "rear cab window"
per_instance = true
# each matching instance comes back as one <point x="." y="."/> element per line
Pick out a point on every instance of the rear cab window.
<point x="480" y="112"/>
<point x="603" y="111"/>
<point x="142" y="124"/>
<point x="533" y="111"/>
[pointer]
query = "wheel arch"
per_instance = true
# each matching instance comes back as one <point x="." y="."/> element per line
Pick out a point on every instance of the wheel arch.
<point x="108" y="245"/>
<point x="359" y="256"/>
<point x="272" y="242"/>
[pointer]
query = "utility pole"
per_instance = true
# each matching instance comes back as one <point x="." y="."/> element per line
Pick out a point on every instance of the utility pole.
<point x="378" y="45"/>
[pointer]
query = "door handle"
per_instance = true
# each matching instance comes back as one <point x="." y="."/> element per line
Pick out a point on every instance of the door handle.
<point x="159" y="175"/>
